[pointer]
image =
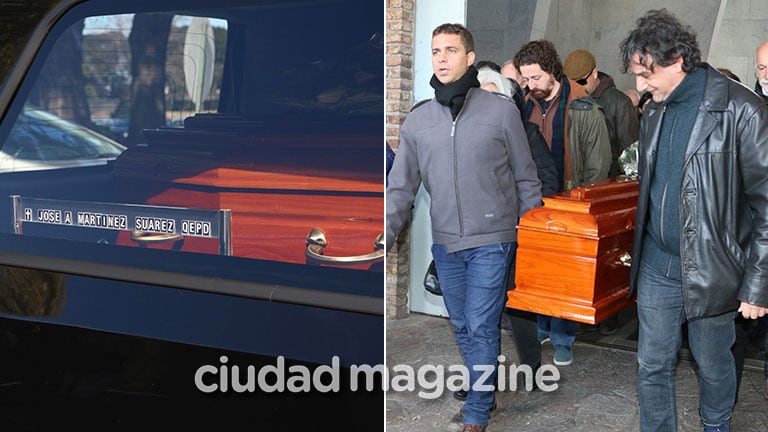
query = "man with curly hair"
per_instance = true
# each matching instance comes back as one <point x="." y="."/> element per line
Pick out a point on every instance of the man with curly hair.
<point x="577" y="135"/>
<point x="700" y="247"/>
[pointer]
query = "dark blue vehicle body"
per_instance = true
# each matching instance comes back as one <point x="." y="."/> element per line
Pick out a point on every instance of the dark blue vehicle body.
<point x="98" y="336"/>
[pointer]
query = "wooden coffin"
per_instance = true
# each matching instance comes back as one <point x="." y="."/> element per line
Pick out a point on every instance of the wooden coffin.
<point x="309" y="199"/>
<point x="573" y="253"/>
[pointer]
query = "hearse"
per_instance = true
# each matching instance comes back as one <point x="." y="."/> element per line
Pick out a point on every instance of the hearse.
<point x="191" y="215"/>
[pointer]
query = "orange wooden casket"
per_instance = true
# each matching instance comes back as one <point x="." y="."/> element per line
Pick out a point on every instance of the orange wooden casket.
<point x="573" y="253"/>
<point x="297" y="198"/>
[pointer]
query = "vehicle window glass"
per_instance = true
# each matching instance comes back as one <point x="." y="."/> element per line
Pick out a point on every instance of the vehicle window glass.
<point x="252" y="131"/>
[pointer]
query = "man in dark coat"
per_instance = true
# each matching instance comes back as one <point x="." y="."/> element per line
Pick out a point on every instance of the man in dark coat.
<point x="701" y="150"/>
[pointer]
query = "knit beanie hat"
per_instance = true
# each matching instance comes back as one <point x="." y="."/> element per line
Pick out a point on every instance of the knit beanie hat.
<point x="578" y="64"/>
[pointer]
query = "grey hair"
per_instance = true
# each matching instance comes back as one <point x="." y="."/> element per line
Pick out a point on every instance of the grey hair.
<point x="488" y="75"/>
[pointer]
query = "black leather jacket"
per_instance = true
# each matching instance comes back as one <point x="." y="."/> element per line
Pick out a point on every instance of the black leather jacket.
<point x="723" y="199"/>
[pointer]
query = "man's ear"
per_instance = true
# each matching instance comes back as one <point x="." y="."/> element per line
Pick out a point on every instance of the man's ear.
<point x="679" y="62"/>
<point x="470" y="58"/>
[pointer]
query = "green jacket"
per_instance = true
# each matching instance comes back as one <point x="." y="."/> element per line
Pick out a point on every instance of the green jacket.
<point x="621" y="118"/>
<point x="587" y="143"/>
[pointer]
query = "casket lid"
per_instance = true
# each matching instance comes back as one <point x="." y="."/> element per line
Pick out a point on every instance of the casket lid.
<point x="617" y="191"/>
<point x="609" y="204"/>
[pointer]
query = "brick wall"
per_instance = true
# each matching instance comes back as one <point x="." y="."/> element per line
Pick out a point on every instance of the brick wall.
<point x="400" y="22"/>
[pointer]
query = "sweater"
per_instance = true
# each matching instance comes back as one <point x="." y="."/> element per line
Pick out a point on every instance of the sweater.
<point x="662" y="244"/>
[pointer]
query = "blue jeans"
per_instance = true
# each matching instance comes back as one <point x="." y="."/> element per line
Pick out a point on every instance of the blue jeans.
<point x="661" y="314"/>
<point x="474" y="284"/>
<point x="561" y="331"/>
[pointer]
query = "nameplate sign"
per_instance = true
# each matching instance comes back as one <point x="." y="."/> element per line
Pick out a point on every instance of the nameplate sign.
<point x="183" y="221"/>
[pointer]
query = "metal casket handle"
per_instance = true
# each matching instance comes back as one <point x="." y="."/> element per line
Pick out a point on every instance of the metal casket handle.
<point x="625" y="259"/>
<point x="144" y="238"/>
<point x="316" y="242"/>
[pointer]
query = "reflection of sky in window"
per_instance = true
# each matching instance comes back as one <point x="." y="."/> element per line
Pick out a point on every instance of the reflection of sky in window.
<point x="123" y="23"/>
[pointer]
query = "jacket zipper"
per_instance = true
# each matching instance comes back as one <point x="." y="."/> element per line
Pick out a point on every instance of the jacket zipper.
<point x="661" y="215"/>
<point x="456" y="165"/>
<point x="456" y="174"/>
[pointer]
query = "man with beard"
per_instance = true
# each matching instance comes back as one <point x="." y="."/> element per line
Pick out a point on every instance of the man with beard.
<point x="761" y="66"/>
<point x="469" y="148"/>
<point x="575" y="130"/>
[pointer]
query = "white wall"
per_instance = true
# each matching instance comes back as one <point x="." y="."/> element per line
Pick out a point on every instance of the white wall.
<point x="743" y="26"/>
<point x="601" y="25"/>
<point x="728" y="31"/>
<point x="429" y="14"/>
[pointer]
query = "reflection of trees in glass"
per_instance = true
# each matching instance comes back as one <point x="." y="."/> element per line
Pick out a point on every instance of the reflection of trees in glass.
<point x="109" y="65"/>
<point x="123" y="76"/>
<point x="177" y="99"/>
<point x="149" y="42"/>
<point x="31" y="292"/>
<point x="59" y="87"/>
<point x="107" y="73"/>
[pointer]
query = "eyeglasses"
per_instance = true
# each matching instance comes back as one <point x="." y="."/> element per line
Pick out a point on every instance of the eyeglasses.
<point x="583" y="81"/>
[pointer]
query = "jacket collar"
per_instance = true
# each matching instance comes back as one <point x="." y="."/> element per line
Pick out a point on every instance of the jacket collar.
<point x="715" y="97"/>
<point x="606" y="82"/>
<point x="689" y="93"/>
<point x="760" y="92"/>
<point x="714" y="100"/>
<point x="574" y="90"/>
<point x="716" y="91"/>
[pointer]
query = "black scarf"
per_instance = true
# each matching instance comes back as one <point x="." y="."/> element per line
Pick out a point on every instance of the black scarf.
<point x="452" y="95"/>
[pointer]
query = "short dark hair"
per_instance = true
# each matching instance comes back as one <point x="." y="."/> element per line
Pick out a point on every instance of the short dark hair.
<point x="489" y="64"/>
<point x="660" y="38"/>
<point x="464" y="34"/>
<point x="543" y="53"/>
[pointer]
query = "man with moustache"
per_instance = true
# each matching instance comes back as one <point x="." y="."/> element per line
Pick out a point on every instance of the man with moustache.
<point x="761" y="66"/>
<point x="469" y="148"/>
<point x="577" y="135"/>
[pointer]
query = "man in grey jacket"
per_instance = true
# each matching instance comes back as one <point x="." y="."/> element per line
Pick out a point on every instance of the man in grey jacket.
<point x="469" y="149"/>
